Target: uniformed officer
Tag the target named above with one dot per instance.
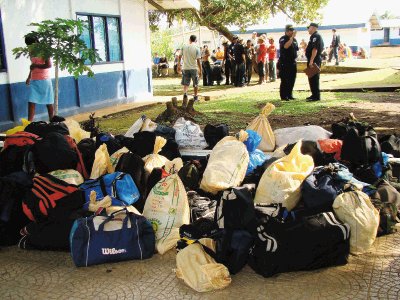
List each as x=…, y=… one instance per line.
x=313, y=54
x=287, y=67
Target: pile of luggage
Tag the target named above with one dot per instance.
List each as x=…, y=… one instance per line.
x=292, y=199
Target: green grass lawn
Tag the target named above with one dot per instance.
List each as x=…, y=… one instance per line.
x=235, y=110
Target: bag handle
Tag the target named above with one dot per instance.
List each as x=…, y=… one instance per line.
x=111, y=217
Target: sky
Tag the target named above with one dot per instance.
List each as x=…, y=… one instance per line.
x=344, y=12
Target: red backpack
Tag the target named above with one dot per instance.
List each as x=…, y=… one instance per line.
x=20, y=139
x=51, y=198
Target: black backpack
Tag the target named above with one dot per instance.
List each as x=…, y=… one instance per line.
x=133, y=165
x=87, y=147
x=235, y=214
x=190, y=175
x=53, y=153
x=12, y=191
x=341, y=129
x=307, y=243
x=213, y=134
x=391, y=144
x=141, y=144
x=360, y=149
x=42, y=128
x=12, y=159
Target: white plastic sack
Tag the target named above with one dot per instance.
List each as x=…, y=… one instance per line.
x=261, y=125
x=114, y=158
x=189, y=135
x=69, y=176
x=155, y=160
x=75, y=131
x=141, y=124
x=292, y=135
x=227, y=164
x=355, y=208
x=199, y=270
x=167, y=208
x=282, y=180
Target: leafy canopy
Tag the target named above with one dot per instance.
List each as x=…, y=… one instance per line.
x=219, y=14
x=60, y=39
x=162, y=43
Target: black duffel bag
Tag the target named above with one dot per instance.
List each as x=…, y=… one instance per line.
x=305, y=244
x=42, y=128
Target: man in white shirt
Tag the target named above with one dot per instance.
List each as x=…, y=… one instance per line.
x=191, y=69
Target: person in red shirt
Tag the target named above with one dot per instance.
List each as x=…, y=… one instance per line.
x=271, y=60
x=261, y=58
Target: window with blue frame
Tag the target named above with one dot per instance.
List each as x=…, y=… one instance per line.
x=104, y=34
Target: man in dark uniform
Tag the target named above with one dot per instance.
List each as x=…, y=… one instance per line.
x=240, y=58
x=313, y=54
x=287, y=67
x=226, y=62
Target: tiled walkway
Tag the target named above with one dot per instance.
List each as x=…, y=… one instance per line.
x=52, y=275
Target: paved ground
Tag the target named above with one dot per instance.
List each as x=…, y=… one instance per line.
x=52, y=275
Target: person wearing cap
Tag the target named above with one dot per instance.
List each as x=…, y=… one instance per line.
x=287, y=66
x=261, y=58
x=239, y=59
x=313, y=53
x=191, y=69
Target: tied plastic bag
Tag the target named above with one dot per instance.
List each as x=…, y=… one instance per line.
x=199, y=270
x=141, y=124
x=356, y=209
x=114, y=158
x=281, y=182
x=261, y=125
x=75, y=131
x=227, y=164
x=155, y=160
x=189, y=135
x=256, y=156
x=292, y=135
x=102, y=163
x=69, y=176
x=24, y=123
x=167, y=208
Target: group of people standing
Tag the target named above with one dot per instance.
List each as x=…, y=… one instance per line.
x=241, y=59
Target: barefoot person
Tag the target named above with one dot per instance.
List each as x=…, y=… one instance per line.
x=191, y=69
x=39, y=82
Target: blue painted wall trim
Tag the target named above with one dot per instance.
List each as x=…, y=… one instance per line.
x=378, y=42
x=327, y=27
x=76, y=95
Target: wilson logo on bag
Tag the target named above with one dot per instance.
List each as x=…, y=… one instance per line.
x=112, y=251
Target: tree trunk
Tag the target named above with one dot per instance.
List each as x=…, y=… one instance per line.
x=56, y=90
x=190, y=108
x=174, y=101
x=171, y=110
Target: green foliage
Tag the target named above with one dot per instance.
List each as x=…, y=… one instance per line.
x=162, y=43
x=218, y=14
x=60, y=40
x=387, y=16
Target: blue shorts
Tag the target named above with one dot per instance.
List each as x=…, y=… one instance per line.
x=187, y=75
x=41, y=91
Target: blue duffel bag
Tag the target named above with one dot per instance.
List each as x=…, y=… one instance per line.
x=120, y=186
x=103, y=239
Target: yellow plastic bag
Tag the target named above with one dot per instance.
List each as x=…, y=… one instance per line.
x=102, y=163
x=227, y=164
x=355, y=208
x=155, y=160
x=167, y=208
x=281, y=182
x=18, y=128
x=69, y=176
x=75, y=131
x=261, y=125
x=199, y=270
